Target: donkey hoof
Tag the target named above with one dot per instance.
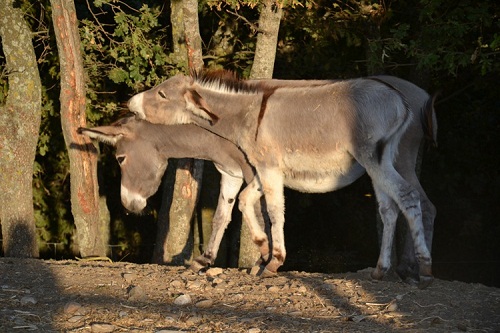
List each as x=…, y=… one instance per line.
x=267, y=273
x=425, y=281
x=377, y=273
x=199, y=264
x=262, y=271
x=256, y=270
x=196, y=267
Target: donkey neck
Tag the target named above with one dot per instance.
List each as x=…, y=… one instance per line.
x=238, y=112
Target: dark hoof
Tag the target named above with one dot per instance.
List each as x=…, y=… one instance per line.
x=425, y=281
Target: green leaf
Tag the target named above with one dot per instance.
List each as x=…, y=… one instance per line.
x=118, y=75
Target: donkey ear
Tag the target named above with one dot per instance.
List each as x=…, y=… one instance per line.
x=106, y=134
x=196, y=104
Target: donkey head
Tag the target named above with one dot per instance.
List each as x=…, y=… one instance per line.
x=178, y=100
x=163, y=104
x=141, y=165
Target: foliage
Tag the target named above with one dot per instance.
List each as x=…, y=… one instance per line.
x=127, y=44
x=125, y=49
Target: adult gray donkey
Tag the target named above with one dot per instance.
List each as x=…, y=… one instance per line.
x=321, y=136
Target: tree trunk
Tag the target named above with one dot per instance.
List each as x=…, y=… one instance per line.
x=262, y=68
x=174, y=241
x=192, y=34
x=174, y=244
x=267, y=40
x=19, y=125
x=81, y=151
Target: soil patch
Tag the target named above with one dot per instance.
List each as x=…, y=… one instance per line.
x=90, y=296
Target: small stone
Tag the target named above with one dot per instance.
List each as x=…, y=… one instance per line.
x=393, y=306
x=75, y=319
x=129, y=277
x=254, y=330
x=273, y=289
x=102, y=328
x=194, y=285
x=176, y=284
x=214, y=271
x=302, y=289
x=122, y=314
x=217, y=281
x=193, y=320
x=25, y=300
x=295, y=313
x=183, y=300
x=71, y=307
x=206, y=303
x=136, y=293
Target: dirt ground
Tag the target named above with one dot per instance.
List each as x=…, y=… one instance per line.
x=92, y=296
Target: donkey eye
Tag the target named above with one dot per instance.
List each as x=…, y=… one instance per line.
x=120, y=159
x=162, y=94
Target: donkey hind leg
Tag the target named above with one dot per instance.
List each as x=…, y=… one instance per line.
x=229, y=188
x=248, y=199
x=389, y=213
x=407, y=268
x=408, y=199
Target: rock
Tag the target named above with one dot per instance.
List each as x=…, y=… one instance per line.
x=102, y=328
x=194, y=285
x=71, y=307
x=214, y=271
x=176, y=284
x=136, y=293
x=75, y=319
x=206, y=303
x=254, y=330
x=25, y=300
x=183, y=300
x=273, y=289
x=129, y=277
x=393, y=306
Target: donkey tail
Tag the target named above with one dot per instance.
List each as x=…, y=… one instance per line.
x=429, y=121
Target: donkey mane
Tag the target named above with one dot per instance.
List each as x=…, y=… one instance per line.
x=224, y=81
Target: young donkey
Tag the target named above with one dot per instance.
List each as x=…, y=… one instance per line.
x=143, y=150
x=320, y=137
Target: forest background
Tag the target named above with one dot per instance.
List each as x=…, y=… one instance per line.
x=441, y=45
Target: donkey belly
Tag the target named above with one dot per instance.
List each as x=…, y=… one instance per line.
x=321, y=182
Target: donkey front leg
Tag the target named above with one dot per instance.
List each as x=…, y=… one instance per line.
x=248, y=199
x=229, y=188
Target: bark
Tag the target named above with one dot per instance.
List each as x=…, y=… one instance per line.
x=179, y=56
x=192, y=34
x=262, y=68
x=19, y=125
x=267, y=40
x=82, y=153
x=174, y=242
